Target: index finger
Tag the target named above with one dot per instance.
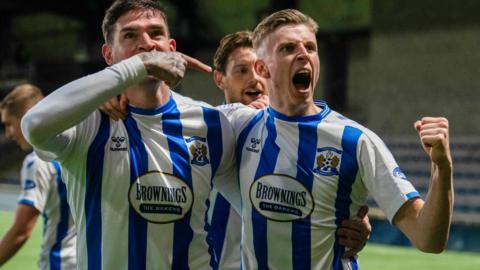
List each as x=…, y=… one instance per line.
x=196, y=64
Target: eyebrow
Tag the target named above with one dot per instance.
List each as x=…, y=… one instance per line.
x=135, y=28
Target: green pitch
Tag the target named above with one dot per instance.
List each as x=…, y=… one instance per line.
x=374, y=257
x=27, y=257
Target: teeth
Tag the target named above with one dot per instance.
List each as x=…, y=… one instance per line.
x=303, y=72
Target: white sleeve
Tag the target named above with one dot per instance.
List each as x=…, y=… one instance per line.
x=36, y=177
x=47, y=125
x=238, y=115
x=382, y=176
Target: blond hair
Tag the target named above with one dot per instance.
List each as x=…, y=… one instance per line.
x=21, y=99
x=279, y=19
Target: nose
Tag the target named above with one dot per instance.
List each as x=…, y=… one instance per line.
x=302, y=52
x=254, y=78
x=145, y=43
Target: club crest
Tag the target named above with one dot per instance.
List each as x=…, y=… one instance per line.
x=328, y=161
x=198, y=150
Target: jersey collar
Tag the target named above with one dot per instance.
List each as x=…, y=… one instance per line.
x=315, y=117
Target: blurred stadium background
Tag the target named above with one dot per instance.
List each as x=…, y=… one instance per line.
x=384, y=64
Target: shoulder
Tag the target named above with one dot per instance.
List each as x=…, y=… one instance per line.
x=351, y=128
x=181, y=100
x=32, y=163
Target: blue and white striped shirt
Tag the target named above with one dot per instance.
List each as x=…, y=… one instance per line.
x=139, y=188
x=300, y=177
x=43, y=188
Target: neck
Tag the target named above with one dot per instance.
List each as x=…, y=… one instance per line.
x=148, y=94
x=295, y=108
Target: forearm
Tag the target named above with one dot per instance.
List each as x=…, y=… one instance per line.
x=436, y=215
x=11, y=243
x=73, y=102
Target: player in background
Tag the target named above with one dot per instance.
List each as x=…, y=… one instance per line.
x=43, y=192
x=138, y=188
x=304, y=168
x=234, y=74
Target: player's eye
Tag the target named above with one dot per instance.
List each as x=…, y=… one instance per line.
x=156, y=34
x=129, y=35
x=287, y=48
x=311, y=48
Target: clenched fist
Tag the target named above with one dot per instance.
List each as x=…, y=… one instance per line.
x=434, y=135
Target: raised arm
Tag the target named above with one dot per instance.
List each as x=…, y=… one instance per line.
x=427, y=224
x=73, y=102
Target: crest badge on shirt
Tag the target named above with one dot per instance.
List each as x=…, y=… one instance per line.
x=328, y=161
x=198, y=150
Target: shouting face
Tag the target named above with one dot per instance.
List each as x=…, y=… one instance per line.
x=288, y=59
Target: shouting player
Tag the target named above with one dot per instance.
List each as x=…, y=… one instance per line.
x=304, y=168
x=234, y=74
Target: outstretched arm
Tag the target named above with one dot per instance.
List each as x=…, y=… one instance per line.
x=21, y=229
x=72, y=103
x=427, y=224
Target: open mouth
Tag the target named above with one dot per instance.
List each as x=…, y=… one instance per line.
x=253, y=92
x=301, y=80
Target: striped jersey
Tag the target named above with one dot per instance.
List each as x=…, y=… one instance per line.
x=225, y=232
x=43, y=188
x=139, y=188
x=300, y=177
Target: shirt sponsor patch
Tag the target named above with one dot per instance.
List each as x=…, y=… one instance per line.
x=397, y=172
x=160, y=197
x=281, y=198
x=29, y=184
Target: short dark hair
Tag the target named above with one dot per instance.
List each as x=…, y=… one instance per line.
x=241, y=39
x=120, y=7
x=21, y=99
x=279, y=19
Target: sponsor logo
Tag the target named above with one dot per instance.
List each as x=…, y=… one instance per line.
x=397, y=172
x=198, y=150
x=253, y=146
x=29, y=184
x=281, y=198
x=118, y=143
x=160, y=197
x=328, y=161
x=30, y=164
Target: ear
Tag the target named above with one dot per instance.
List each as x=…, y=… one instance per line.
x=218, y=79
x=172, y=45
x=261, y=69
x=107, y=53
